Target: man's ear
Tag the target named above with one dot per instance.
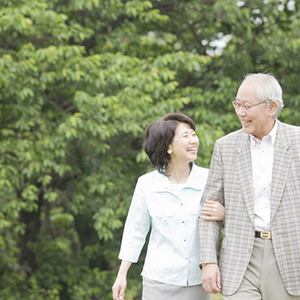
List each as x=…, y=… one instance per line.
x=273, y=108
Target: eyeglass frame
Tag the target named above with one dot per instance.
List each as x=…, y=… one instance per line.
x=247, y=107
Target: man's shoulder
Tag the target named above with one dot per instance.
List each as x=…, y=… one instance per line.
x=288, y=127
x=234, y=136
x=288, y=132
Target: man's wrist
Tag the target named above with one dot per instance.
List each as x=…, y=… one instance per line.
x=204, y=264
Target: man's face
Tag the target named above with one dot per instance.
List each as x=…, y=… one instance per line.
x=257, y=120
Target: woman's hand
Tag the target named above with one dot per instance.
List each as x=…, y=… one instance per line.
x=120, y=284
x=213, y=211
x=119, y=287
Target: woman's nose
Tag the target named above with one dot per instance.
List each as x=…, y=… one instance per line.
x=193, y=139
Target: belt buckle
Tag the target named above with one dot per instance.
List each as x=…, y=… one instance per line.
x=266, y=235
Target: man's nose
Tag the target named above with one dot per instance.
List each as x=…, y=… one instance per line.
x=241, y=111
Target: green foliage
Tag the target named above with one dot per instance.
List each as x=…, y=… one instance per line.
x=79, y=82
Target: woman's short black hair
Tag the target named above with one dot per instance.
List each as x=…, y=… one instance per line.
x=159, y=135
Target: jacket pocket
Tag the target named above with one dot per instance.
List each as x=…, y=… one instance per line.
x=195, y=211
x=163, y=216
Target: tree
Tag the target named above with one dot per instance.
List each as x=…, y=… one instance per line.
x=80, y=80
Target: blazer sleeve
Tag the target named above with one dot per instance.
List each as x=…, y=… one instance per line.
x=209, y=231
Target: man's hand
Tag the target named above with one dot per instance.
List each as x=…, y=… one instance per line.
x=211, y=278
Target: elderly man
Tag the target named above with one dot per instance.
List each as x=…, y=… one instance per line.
x=255, y=173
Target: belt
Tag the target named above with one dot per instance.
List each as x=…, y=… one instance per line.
x=263, y=234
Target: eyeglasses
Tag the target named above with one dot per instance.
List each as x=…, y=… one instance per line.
x=237, y=105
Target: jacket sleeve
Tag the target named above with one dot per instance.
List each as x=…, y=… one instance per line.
x=136, y=226
x=209, y=231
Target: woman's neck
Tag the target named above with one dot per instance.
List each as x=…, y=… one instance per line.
x=178, y=174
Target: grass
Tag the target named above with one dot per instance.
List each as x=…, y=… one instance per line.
x=216, y=297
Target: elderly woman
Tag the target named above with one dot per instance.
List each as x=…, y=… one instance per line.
x=167, y=200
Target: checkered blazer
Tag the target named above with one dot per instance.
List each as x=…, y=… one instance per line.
x=230, y=183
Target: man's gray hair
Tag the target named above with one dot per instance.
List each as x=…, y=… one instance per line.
x=268, y=89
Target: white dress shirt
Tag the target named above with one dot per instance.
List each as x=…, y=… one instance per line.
x=262, y=155
x=173, y=212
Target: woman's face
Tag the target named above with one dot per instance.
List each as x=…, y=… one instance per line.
x=185, y=144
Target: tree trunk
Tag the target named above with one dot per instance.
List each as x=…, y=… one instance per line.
x=26, y=258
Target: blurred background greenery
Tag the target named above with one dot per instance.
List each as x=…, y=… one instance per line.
x=79, y=82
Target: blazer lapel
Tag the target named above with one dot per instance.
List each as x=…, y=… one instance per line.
x=244, y=171
x=281, y=166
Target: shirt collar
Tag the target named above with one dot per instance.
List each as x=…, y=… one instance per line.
x=162, y=182
x=271, y=135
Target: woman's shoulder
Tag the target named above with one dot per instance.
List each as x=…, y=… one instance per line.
x=200, y=170
x=152, y=175
x=198, y=176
